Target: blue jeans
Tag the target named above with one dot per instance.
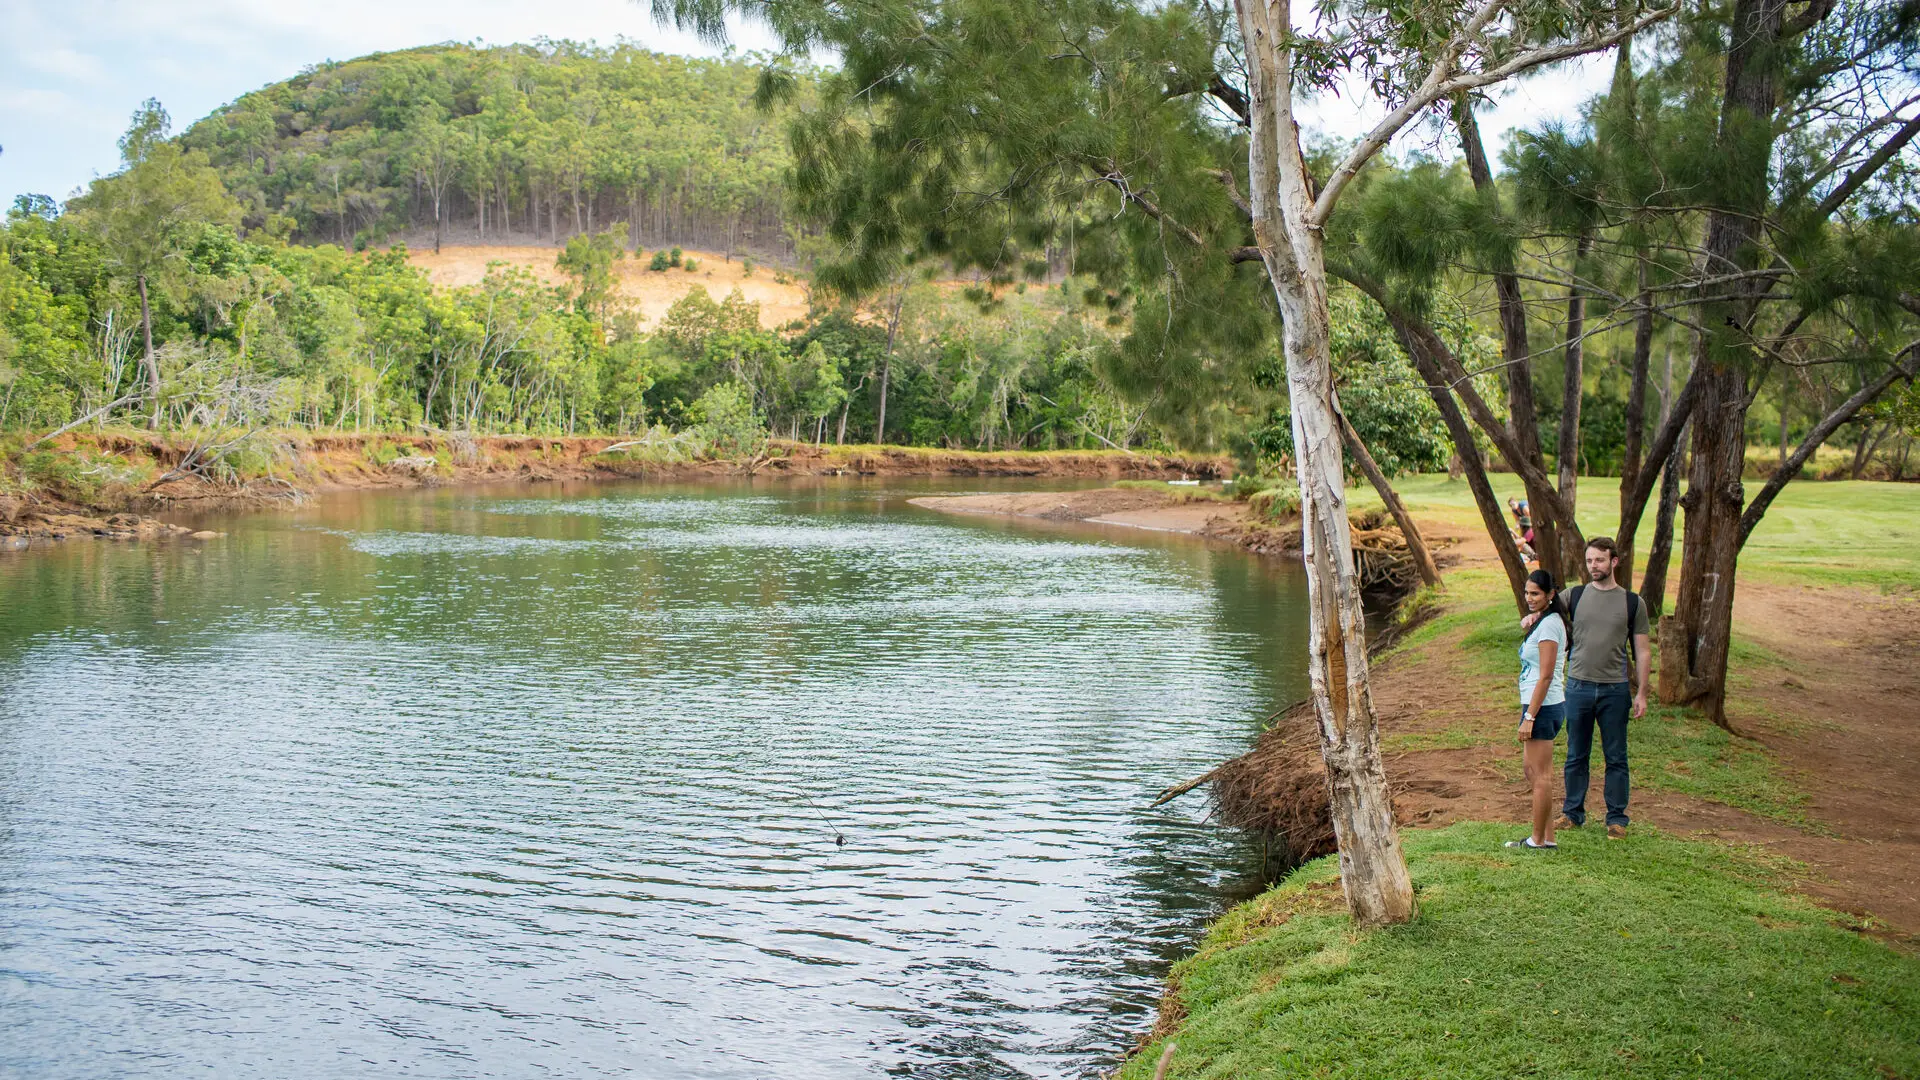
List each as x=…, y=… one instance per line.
x=1604, y=704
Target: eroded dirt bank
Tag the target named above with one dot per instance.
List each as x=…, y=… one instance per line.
x=136, y=495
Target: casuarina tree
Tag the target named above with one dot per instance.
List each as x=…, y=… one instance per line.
x=1005, y=78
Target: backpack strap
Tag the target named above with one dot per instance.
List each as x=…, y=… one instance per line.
x=1633, y=611
x=1573, y=604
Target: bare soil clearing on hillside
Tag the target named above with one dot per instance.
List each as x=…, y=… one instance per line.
x=651, y=292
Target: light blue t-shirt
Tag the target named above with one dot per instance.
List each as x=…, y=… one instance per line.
x=1550, y=628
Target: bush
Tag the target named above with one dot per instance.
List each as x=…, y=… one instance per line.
x=724, y=417
x=79, y=477
x=746, y=267
x=661, y=261
x=1247, y=485
x=674, y=258
x=690, y=265
x=1276, y=503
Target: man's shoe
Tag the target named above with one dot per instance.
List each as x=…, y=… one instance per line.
x=1616, y=832
x=1565, y=822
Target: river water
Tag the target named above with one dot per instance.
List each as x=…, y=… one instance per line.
x=741, y=781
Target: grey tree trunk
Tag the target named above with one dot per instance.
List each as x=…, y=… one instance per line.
x=1523, y=413
x=1373, y=870
x=152, y=362
x=1574, y=381
x=1637, y=413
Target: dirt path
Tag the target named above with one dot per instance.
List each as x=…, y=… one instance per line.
x=1840, y=710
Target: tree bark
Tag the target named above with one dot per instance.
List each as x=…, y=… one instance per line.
x=1695, y=669
x=1574, y=381
x=1523, y=413
x=151, y=361
x=1416, y=545
x=1653, y=587
x=1373, y=869
x=1636, y=415
x=1420, y=342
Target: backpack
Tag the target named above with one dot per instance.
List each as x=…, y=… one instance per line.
x=1633, y=612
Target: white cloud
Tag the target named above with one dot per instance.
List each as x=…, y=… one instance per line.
x=63, y=62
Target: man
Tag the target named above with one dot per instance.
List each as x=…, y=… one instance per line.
x=1607, y=662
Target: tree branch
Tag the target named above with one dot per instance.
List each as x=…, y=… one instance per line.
x=1790, y=468
x=1858, y=178
x=1438, y=85
x=1118, y=179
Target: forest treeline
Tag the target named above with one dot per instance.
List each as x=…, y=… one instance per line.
x=150, y=299
x=510, y=144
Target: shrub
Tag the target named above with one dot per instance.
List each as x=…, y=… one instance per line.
x=690, y=265
x=79, y=477
x=661, y=261
x=1276, y=503
x=726, y=420
x=675, y=257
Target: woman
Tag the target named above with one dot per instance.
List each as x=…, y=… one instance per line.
x=1543, y=692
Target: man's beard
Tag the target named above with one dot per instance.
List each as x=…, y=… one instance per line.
x=1598, y=575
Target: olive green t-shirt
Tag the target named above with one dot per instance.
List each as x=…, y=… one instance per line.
x=1599, y=649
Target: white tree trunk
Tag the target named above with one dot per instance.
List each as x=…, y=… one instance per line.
x=1373, y=870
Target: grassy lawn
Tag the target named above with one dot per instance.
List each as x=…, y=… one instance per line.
x=1648, y=957
x=1817, y=532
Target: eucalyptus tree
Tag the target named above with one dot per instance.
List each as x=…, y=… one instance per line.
x=142, y=212
x=983, y=126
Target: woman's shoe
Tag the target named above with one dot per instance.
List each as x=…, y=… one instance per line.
x=1531, y=846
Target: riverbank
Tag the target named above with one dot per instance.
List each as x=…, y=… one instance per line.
x=1387, y=576
x=1730, y=934
x=77, y=485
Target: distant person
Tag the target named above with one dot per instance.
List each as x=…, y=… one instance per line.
x=1523, y=527
x=1607, y=662
x=1543, y=694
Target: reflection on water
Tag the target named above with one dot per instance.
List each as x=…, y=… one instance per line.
x=456, y=784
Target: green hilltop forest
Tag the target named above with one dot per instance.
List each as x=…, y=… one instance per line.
x=511, y=144
x=233, y=278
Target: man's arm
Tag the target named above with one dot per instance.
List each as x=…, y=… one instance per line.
x=1642, y=665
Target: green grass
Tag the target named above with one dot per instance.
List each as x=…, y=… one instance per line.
x=1647, y=957
x=1860, y=533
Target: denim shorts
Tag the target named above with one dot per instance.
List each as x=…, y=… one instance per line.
x=1547, y=724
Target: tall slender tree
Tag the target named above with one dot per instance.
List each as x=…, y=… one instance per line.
x=142, y=215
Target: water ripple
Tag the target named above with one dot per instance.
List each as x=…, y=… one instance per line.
x=439, y=785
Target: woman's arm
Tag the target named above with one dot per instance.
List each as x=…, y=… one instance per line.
x=1549, y=653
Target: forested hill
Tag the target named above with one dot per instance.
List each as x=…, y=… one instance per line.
x=514, y=144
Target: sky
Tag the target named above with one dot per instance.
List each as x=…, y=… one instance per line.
x=72, y=71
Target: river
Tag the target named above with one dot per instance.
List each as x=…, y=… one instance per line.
x=733, y=781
